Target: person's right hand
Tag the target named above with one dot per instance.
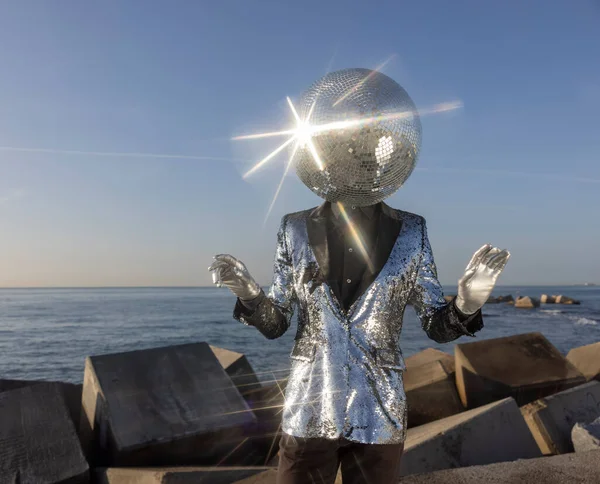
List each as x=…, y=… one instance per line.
x=232, y=273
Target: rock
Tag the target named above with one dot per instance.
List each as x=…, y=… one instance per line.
x=267, y=404
x=266, y=477
x=174, y=475
x=270, y=477
x=500, y=299
x=586, y=436
x=166, y=406
x=449, y=298
x=524, y=366
x=580, y=468
x=70, y=391
x=238, y=368
x=551, y=419
x=38, y=442
x=587, y=360
x=427, y=356
x=566, y=300
x=274, y=462
x=430, y=393
x=492, y=433
x=526, y=302
x=545, y=299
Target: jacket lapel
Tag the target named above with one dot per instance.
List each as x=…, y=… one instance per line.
x=388, y=229
x=389, y=226
x=316, y=227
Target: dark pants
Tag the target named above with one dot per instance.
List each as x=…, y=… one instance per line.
x=316, y=461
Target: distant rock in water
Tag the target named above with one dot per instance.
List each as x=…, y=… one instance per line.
x=527, y=302
x=500, y=299
x=449, y=298
x=566, y=300
x=545, y=299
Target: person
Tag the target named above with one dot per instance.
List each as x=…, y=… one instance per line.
x=350, y=271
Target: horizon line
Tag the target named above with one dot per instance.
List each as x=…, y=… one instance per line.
x=212, y=286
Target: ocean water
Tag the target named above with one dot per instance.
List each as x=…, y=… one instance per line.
x=47, y=333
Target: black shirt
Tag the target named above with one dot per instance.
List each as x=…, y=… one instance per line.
x=351, y=236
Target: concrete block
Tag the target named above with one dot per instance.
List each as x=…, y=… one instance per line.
x=274, y=462
x=565, y=300
x=427, y=356
x=266, y=477
x=545, y=299
x=551, y=419
x=270, y=477
x=266, y=403
x=430, y=393
x=523, y=366
x=581, y=468
x=500, y=299
x=587, y=360
x=176, y=475
x=38, y=442
x=162, y=407
x=527, y=302
x=492, y=433
x=586, y=436
x=238, y=368
x=70, y=391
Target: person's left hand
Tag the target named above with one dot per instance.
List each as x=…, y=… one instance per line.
x=475, y=287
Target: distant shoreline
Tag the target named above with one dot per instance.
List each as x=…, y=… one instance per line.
x=507, y=286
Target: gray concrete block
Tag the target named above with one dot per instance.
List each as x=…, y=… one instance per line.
x=270, y=477
x=500, y=299
x=551, y=419
x=430, y=393
x=177, y=475
x=427, y=356
x=492, y=433
x=581, y=468
x=38, y=442
x=266, y=477
x=560, y=299
x=162, y=407
x=238, y=368
x=523, y=366
x=527, y=302
x=587, y=360
x=70, y=391
x=586, y=436
x=267, y=404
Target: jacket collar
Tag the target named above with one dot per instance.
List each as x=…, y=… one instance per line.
x=316, y=225
x=322, y=210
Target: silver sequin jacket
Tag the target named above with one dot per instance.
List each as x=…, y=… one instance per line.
x=346, y=377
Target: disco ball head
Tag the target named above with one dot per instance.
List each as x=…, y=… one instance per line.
x=373, y=142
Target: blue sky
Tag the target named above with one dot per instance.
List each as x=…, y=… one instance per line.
x=518, y=166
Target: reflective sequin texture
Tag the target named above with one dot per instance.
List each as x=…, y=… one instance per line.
x=362, y=163
x=347, y=368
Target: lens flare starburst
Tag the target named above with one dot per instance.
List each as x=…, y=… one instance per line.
x=301, y=135
x=304, y=132
x=355, y=137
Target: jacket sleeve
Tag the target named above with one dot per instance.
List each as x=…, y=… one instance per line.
x=441, y=320
x=271, y=313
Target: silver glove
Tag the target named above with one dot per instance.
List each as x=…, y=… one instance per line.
x=475, y=287
x=232, y=273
